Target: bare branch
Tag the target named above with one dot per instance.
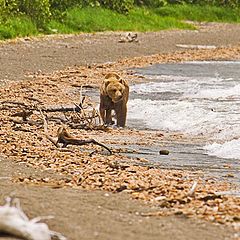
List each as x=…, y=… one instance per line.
x=65, y=138
x=23, y=114
x=45, y=126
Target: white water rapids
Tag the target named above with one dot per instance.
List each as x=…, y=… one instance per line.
x=193, y=98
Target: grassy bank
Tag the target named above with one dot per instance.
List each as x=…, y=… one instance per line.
x=98, y=19
x=200, y=13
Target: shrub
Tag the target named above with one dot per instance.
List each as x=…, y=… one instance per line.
x=157, y=3
x=120, y=6
x=58, y=7
x=151, y=3
x=37, y=10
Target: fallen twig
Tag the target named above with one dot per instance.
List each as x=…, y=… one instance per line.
x=45, y=126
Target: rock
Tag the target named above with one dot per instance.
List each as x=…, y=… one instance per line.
x=163, y=152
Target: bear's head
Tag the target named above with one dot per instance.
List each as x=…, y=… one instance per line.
x=114, y=87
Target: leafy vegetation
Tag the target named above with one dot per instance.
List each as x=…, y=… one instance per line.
x=200, y=13
x=31, y=17
x=99, y=19
x=17, y=27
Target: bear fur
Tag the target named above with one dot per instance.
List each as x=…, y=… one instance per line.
x=114, y=93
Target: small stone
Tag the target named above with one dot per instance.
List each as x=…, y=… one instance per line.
x=163, y=152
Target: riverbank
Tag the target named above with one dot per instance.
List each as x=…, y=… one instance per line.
x=166, y=191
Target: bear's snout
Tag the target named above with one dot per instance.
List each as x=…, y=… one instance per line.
x=117, y=96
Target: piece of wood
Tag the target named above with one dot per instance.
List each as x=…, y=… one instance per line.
x=189, y=46
x=45, y=126
x=193, y=188
x=65, y=138
x=23, y=114
x=14, y=222
x=62, y=108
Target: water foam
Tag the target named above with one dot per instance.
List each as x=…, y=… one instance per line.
x=171, y=115
x=202, y=105
x=229, y=149
x=223, y=93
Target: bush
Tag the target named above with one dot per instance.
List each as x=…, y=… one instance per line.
x=37, y=10
x=58, y=8
x=120, y=6
x=151, y=3
x=220, y=3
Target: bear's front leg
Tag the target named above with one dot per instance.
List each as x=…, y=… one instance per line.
x=121, y=112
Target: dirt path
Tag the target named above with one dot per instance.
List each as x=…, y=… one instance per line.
x=98, y=215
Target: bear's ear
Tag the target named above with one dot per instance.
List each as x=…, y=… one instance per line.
x=123, y=82
x=112, y=75
x=103, y=88
x=106, y=82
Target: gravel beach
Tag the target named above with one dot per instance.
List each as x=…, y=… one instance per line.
x=105, y=197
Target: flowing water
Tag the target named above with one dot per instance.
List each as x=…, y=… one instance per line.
x=196, y=99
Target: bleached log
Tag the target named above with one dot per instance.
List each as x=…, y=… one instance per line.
x=189, y=46
x=230, y=193
x=14, y=221
x=62, y=108
x=193, y=188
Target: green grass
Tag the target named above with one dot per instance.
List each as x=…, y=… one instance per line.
x=17, y=27
x=200, y=13
x=139, y=19
x=99, y=19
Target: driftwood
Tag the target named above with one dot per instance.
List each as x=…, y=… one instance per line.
x=80, y=117
x=13, y=103
x=193, y=188
x=66, y=139
x=196, y=46
x=230, y=193
x=9, y=105
x=23, y=114
x=128, y=37
x=13, y=221
x=104, y=128
x=29, y=109
x=62, y=108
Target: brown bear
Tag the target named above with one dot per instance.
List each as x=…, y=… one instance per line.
x=114, y=93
